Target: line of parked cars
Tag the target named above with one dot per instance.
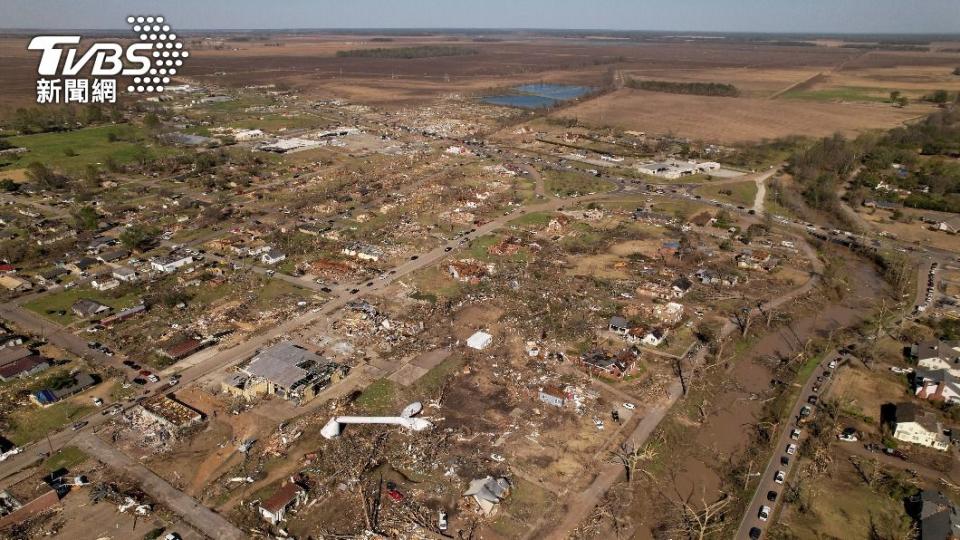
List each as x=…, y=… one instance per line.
x=796, y=432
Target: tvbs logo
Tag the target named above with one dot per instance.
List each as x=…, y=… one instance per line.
x=149, y=61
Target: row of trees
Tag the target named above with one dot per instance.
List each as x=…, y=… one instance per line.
x=28, y=120
x=693, y=88
x=422, y=51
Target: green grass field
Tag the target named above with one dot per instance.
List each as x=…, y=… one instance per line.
x=538, y=219
x=32, y=423
x=379, y=397
x=568, y=183
x=841, y=93
x=65, y=458
x=63, y=300
x=71, y=151
x=740, y=193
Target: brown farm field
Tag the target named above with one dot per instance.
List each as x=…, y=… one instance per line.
x=733, y=120
x=784, y=89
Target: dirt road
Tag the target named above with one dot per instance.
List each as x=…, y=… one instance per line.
x=200, y=517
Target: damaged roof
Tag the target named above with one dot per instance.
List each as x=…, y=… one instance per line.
x=284, y=364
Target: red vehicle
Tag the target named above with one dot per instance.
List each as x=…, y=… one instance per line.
x=145, y=372
x=395, y=495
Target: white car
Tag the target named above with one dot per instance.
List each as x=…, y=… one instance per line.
x=848, y=435
x=779, y=476
x=629, y=405
x=791, y=449
x=153, y=378
x=832, y=364
x=98, y=402
x=497, y=457
x=795, y=434
x=764, y=513
x=597, y=422
x=442, y=521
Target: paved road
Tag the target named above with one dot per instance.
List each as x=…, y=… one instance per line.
x=200, y=517
x=766, y=480
x=767, y=483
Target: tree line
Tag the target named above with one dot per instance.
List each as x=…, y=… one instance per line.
x=421, y=51
x=692, y=88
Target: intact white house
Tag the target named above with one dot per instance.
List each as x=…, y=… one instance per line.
x=915, y=426
x=171, y=262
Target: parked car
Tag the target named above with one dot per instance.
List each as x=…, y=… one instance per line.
x=779, y=476
x=153, y=378
x=848, y=435
x=764, y=513
x=79, y=425
x=832, y=364
x=795, y=434
x=97, y=401
x=791, y=449
x=812, y=399
x=755, y=533
x=784, y=460
x=771, y=496
x=442, y=521
x=629, y=405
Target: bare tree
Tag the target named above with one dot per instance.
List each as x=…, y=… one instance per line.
x=743, y=319
x=631, y=458
x=698, y=520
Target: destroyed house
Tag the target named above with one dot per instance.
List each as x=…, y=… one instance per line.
x=180, y=348
x=649, y=216
x=599, y=362
x=363, y=252
x=702, y=219
x=467, y=270
x=123, y=315
x=618, y=325
x=170, y=413
x=488, y=492
x=288, y=371
x=552, y=395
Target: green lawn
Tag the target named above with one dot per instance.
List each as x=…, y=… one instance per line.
x=538, y=219
x=740, y=193
x=569, y=183
x=840, y=93
x=32, y=423
x=84, y=146
x=63, y=300
x=379, y=397
x=65, y=458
